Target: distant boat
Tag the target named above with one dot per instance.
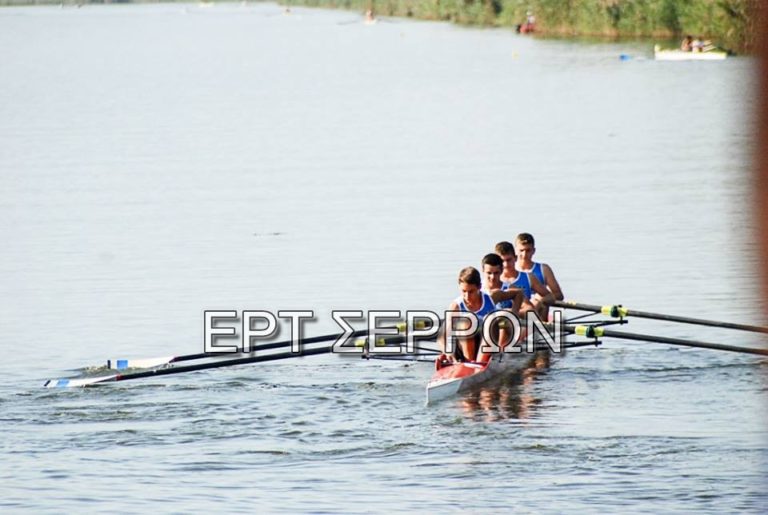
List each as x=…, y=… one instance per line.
x=680, y=55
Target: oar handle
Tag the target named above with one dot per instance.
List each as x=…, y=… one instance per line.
x=598, y=332
x=619, y=311
x=698, y=321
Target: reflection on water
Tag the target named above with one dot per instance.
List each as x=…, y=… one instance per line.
x=511, y=396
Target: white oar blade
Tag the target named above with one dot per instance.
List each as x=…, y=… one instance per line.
x=122, y=364
x=74, y=383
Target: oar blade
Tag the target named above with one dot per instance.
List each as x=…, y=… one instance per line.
x=78, y=382
x=122, y=364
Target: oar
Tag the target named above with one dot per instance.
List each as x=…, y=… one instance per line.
x=86, y=381
x=393, y=340
x=618, y=311
x=400, y=357
x=67, y=383
x=122, y=364
x=598, y=332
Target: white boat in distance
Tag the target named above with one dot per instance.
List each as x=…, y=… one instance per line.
x=679, y=55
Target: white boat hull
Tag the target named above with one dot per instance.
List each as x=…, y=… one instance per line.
x=679, y=55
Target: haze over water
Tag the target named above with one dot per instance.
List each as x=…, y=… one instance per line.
x=161, y=160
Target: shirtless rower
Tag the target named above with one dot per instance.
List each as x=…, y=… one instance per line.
x=472, y=299
x=525, y=248
x=529, y=283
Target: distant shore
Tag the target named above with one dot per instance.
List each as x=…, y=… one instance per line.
x=729, y=24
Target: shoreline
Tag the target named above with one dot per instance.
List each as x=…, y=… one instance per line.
x=731, y=24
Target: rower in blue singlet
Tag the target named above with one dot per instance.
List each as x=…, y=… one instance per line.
x=473, y=300
x=527, y=283
x=525, y=249
x=503, y=297
x=486, y=309
x=538, y=271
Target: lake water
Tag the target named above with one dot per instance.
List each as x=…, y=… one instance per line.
x=162, y=160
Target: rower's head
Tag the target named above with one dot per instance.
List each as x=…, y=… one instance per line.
x=506, y=251
x=469, y=283
x=492, y=268
x=525, y=246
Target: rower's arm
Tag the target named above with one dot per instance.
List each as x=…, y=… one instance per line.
x=502, y=295
x=546, y=295
x=441, y=333
x=552, y=283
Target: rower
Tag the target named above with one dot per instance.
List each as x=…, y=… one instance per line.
x=529, y=283
x=697, y=45
x=503, y=295
x=474, y=300
x=525, y=248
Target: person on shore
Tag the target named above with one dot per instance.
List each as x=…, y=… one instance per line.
x=525, y=248
x=525, y=281
x=530, y=23
x=529, y=26
x=687, y=44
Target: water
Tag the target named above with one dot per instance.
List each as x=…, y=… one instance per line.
x=161, y=160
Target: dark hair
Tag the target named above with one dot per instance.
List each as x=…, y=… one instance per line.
x=492, y=260
x=470, y=275
x=504, y=248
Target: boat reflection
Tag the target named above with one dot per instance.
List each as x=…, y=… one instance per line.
x=509, y=398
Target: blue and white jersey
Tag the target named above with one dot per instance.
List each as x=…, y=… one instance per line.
x=523, y=282
x=486, y=309
x=505, y=304
x=538, y=271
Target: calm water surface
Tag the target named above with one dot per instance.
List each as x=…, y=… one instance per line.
x=157, y=161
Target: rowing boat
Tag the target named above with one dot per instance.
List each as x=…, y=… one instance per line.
x=455, y=378
x=449, y=379
x=679, y=55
